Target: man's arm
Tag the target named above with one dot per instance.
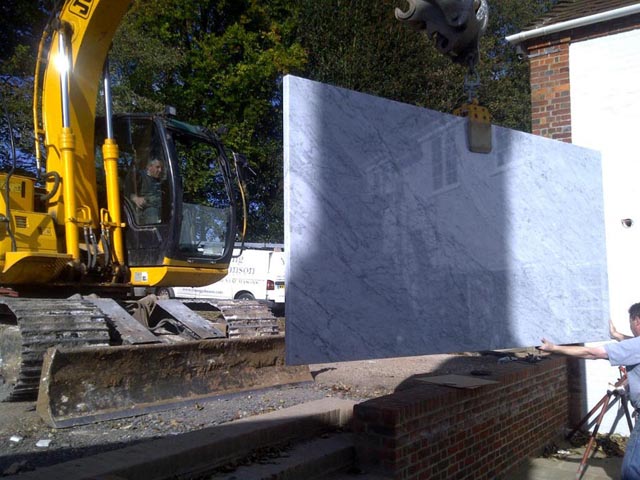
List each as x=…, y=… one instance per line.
x=132, y=187
x=591, y=353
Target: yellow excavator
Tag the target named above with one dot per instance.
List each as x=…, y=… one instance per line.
x=108, y=211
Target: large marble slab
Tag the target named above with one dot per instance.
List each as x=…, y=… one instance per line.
x=400, y=241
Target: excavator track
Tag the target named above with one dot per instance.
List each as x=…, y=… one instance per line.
x=243, y=318
x=87, y=359
x=29, y=327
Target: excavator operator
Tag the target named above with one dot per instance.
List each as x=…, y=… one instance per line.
x=144, y=191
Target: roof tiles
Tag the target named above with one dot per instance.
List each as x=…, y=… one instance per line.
x=566, y=10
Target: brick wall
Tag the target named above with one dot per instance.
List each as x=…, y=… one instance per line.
x=436, y=432
x=550, y=90
x=549, y=70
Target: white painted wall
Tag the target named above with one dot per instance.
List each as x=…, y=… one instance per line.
x=605, y=112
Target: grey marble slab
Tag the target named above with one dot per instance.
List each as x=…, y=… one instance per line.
x=401, y=242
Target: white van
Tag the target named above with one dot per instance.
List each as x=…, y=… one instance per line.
x=256, y=274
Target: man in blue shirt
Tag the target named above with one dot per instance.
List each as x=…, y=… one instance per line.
x=625, y=352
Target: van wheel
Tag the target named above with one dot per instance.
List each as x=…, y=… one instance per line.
x=164, y=292
x=245, y=296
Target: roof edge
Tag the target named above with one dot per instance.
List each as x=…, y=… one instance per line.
x=517, y=38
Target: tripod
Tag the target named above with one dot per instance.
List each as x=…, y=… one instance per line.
x=618, y=392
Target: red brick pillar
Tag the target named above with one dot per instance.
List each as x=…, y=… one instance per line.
x=550, y=89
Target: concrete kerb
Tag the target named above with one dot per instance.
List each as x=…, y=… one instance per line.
x=195, y=452
x=320, y=458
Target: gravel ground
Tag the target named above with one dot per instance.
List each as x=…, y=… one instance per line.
x=27, y=443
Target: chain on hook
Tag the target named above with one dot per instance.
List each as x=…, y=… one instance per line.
x=471, y=84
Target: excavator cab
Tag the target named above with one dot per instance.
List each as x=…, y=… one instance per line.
x=176, y=192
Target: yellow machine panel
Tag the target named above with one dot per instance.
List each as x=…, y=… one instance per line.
x=33, y=232
x=26, y=268
x=28, y=247
x=175, y=276
x=20, y=191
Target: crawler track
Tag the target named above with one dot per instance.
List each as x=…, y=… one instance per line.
x=244, y=318
x=28, y=327
x=98, y=366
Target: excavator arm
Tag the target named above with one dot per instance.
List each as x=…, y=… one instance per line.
x=78, y=39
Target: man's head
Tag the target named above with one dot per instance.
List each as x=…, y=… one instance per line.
x=154, y=168
x=634, y=319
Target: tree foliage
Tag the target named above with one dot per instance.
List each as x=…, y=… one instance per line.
x=358, y=44
x=20, y=23
x=20, y=27
x=219, y=63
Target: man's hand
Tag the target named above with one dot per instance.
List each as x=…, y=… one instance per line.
x=547, y=346
x=615, y=334
x=140, y=202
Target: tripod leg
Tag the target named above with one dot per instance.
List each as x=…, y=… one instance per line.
x=585, y=419
x=625, y=405
x=592, y=438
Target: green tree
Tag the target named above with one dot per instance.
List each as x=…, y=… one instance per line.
x=21, y=23
x=20, y=26
x=222, y=64
x=358, y=44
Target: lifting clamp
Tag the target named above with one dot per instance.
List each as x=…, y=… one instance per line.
x=479, y=132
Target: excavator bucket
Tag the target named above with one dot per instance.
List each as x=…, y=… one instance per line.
x=84, y=385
